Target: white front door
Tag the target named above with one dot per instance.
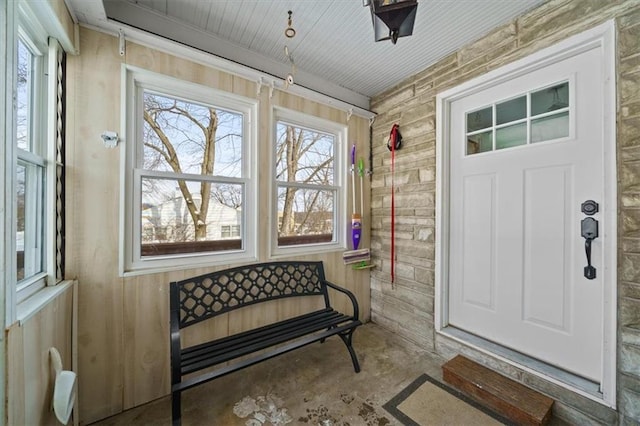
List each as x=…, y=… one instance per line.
x=524, y=155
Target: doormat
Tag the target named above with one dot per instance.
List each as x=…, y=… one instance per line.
x=428, y=402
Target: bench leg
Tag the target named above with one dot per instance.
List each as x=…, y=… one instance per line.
x=175, y=408
x=346, y=338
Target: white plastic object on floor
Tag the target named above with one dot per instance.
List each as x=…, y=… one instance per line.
x=64, y=389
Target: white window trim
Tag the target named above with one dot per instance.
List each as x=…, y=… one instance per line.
x=340, y=131
x=31, y=22
x=19, y=20
x=35, y=36
x=7, y=178
x=7, y=239
x=133, y=79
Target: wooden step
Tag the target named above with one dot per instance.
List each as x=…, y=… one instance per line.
x=510, y=399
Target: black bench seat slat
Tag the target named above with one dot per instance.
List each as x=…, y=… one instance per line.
x=233, y=342
x=208, y=296
x=187, y=352
x=223, y=371
x=277, y=334
x=193, y=352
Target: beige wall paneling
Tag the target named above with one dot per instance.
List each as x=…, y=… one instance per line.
x=29, y=369
x=408, y=309
x=124, y=322
x=93, y=182
x=146, y=337
x=15, y=375
x=265, y=155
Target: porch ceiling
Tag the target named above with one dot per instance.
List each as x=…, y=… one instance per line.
x=334, y=49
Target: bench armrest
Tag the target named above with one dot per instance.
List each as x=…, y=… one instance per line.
x=354, y=301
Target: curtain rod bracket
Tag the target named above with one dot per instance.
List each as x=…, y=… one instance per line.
x=260, y=83
x=121, y=42
x=271, y=88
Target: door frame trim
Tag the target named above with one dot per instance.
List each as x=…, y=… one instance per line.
x=600, y=37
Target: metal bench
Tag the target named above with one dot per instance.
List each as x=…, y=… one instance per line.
x=204, y=297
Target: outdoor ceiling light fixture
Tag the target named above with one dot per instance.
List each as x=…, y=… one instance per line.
x=392, y=18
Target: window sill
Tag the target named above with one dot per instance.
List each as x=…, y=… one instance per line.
x=35, y=303
x=305, y=249
x=172, y=264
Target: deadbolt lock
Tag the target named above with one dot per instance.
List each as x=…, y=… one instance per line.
x=589, y=207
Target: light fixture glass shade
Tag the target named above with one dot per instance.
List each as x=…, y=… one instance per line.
x=393, y=19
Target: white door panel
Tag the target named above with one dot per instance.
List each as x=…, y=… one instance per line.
x=516, y=256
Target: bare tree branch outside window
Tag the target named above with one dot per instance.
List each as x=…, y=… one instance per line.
x=186, y=138
x=304, y=171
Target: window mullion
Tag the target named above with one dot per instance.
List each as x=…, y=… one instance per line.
x=528, y=118
x=31, y=158
x=191, y=177
x=307, y=186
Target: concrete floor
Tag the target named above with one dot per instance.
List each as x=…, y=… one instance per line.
x=316, y=385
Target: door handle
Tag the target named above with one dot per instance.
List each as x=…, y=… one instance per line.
x=589, y=228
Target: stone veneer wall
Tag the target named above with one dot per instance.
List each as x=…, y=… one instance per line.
x=408, y=309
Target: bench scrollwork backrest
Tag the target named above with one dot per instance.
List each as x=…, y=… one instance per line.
x=219, y=292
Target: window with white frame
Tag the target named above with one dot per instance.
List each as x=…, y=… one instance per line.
x=540, y=115
x=39, y=93
x=308, y=177
x=230, y=231
x=188, y=174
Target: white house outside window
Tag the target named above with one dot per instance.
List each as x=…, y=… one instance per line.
x=308, y=176
x=188, y=174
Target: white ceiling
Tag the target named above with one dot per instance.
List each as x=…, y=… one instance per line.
x=334, y=50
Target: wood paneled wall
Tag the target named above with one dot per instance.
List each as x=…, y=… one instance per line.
x=30, y=377
x=123, y=326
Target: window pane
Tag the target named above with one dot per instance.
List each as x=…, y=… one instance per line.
x=551, y=127
x=550, y=99
x=303, y=155
x=20, y=183
x=186, y=137
x=515, y=109
x=29, y=232
x=481, y=142
x=481, y=119
x=305, y=216
x=511, y=136
x=174, y=218
x=23, y=97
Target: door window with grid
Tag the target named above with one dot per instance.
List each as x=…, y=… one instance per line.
x=537, y=116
